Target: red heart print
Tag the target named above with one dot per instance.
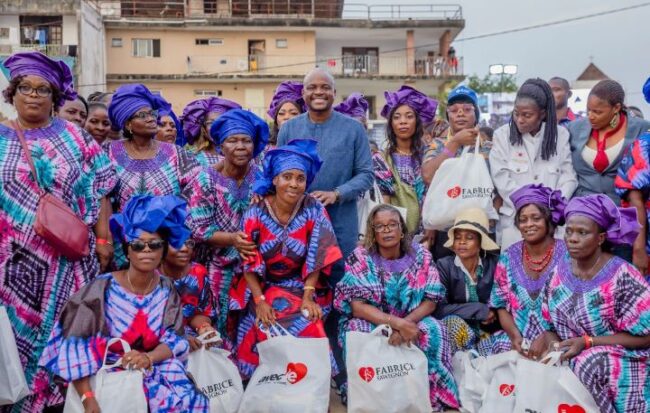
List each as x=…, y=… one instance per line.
x=367, y=373
x=454, y=192
x=565, y=408
x=295, y=372
x=506, y=389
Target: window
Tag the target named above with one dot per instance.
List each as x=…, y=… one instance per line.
x=116, y=42
x=146, y=47
x=4, y=32
x=207, y=92
x=208, y=42
x=281, y=43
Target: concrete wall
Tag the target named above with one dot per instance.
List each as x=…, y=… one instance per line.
x=11, y=21
x=232, y=56
x=70, y=29
x=39, y=7
x=91, y=74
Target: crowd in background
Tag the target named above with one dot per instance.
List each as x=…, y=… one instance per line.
x=214, y=222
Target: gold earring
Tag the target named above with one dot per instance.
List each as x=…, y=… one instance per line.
x=614, y=122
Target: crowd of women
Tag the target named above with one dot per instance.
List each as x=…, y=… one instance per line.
x=211, y=223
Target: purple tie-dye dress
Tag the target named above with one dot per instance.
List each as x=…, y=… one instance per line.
x=616, y=300
x=398, y=287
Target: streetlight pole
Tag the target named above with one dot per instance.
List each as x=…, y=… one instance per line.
x=502, y=70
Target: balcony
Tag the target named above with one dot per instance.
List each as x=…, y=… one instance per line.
x=52, y=50
x=182, y=10
x=341, y=66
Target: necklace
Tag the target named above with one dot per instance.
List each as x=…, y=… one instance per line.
x=582, y=275
x=128, y=279
x=401, y=152
x=49, y=120
x=538, y=265
x=143, y=154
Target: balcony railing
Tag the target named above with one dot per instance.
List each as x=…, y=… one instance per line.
x=349, y=65
x=52, y=50
x=332, y=9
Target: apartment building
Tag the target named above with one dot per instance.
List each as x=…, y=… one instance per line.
x=68, y=30
x=241, y=49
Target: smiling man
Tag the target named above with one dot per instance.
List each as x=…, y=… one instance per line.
x=346, y=172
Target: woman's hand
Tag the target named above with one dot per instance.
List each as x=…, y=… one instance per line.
x=90, y=404
x=540, y=345
x=195, y=344
x=136, y=360
x=575, y=347
x=466, y=137
x=265, y=314
x=409, y=331
x=517, y=343
x=313, y=310
x=395, y=339
x=104, y=255
x=241, y=243
x=491, y=318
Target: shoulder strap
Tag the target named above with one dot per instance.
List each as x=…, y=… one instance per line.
x=23, y=143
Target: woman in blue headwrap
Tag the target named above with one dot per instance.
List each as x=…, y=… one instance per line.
x=197, y=118
x=35, y=279
x=218, y=197
x=137, y=305
x=295, y=247
x=145, y=166
x=169, y=127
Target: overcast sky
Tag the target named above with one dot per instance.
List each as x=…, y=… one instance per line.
x=619, y=43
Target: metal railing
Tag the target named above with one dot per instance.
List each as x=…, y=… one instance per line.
x=349, y=65
x=52, y=50
x=333, y=9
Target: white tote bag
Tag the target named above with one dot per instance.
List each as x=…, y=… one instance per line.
x=547, y=386
x=115, y=391
x=216, y=376
x=385, y=378
x=366, y=204
x=13, y=385
x=458, y=184
x=293, y=375
x=471, y=385
x=499, y=372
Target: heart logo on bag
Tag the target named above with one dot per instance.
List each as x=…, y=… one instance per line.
x=506, y=389
x=367, y=373
x=565, y=408
x=454, y=192
x=295, y=372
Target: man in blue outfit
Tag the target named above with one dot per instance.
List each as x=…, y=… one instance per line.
x=346, y=172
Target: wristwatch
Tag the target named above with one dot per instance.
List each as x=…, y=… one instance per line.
x=257, y=300
x=338, y=194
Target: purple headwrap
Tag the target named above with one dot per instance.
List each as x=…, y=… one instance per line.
x=128, y=99
x=539, y=194
x=416, y=100
x=238, y=121
x=196, y=111
x=620, y=224
x=298, y=154
x=286, y=92
x=56, y=72
x=355, y=106
x=151, y=214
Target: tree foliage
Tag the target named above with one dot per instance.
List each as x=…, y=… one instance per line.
x=492, y=84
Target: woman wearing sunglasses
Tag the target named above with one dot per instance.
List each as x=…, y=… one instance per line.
x=193, y=286
x=145, y=166
x=137, y=305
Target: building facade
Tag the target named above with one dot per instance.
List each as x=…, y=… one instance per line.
x=241, y=49
x=68, y=30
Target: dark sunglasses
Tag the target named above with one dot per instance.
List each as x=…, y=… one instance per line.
x=139, y=245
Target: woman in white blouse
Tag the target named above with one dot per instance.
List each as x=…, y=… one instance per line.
x=530, y=149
